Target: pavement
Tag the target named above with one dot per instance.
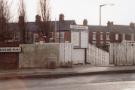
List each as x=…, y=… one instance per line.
x=76, y=70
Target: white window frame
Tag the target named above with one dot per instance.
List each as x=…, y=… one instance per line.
x=94, y=36
x=116, y=36
x=94, y=42
x=107, y=35
x=101, y=35
x=108, y=42
x=101, y=42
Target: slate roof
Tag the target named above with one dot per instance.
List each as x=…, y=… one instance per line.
x=65, y=26
x=114, y=28
x=95, y=28
x=33, y=27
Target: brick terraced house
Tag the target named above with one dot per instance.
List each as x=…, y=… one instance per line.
x=102, y=36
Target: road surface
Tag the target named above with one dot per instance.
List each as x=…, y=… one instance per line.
x=92, y=82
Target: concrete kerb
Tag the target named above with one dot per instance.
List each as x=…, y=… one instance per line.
x=60, y=74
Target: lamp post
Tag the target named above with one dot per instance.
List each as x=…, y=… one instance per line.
x=100, y=10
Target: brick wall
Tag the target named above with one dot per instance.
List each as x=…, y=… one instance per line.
x=9, y=60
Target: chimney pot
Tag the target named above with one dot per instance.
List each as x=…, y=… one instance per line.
x=21, y=19
x=109, y=24
x=61, y=17
x=38, y=18
x=132, y=25
x=85, y=22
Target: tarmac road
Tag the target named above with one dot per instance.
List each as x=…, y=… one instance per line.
x=93, y=82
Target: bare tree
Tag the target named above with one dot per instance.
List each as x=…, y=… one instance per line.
x=4, y=20
x=46, y=26
x=22, y=20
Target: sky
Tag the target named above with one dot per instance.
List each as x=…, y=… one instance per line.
x=122, y=12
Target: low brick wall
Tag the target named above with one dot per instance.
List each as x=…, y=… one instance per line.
x=36, y=55
x=9, y=60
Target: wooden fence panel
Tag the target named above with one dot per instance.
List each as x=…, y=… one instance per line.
x=134, y=54
x=122, y=54
x=62, y=54
x=65, y=53
x=68, y=52
x=97, y=57
x=78, y=56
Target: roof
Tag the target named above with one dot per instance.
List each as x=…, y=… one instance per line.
x=97, y=28
x=33, y=27
x=114, y=28
x=63, y=25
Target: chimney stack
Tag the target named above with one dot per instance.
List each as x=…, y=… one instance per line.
x=38, y=18
x=61, y=17
x=85, y=22
x=21, y=19
x=132, y=25
x=109, y=24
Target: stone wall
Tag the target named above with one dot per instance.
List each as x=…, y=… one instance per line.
x=36, y=55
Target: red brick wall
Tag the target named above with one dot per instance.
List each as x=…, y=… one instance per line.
x=67, y=36
x=9, y=60
x=111, y=35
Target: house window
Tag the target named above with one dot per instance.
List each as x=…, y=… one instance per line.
x=94, y=35
x=107, y=36
x=101, y=42
x=16, y=36
x=94, y=42
x=61, y=37
x=116, y=36
x=35, y=37
x=128, y=37
x=61, y=34
x=107, y=42
x=101, y=35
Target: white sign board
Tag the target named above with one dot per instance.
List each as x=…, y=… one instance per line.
x=84, y=39
x=75, y=38
x=10, y=49
x=79, y=36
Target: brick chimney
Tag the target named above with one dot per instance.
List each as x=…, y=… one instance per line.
x=109, y=24
x=132, y=25
x=21, y=19
x=61, y=17
x=85, y=22
x=38, y=18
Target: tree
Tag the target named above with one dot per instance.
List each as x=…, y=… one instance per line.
x=22, y=21
x=46, y=26
x=4, y=20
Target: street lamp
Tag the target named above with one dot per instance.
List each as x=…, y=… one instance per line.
x=100, y=6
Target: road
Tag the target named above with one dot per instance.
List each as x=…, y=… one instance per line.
x=92, y=82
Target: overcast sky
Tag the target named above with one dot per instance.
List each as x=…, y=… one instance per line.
x=123, y=11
